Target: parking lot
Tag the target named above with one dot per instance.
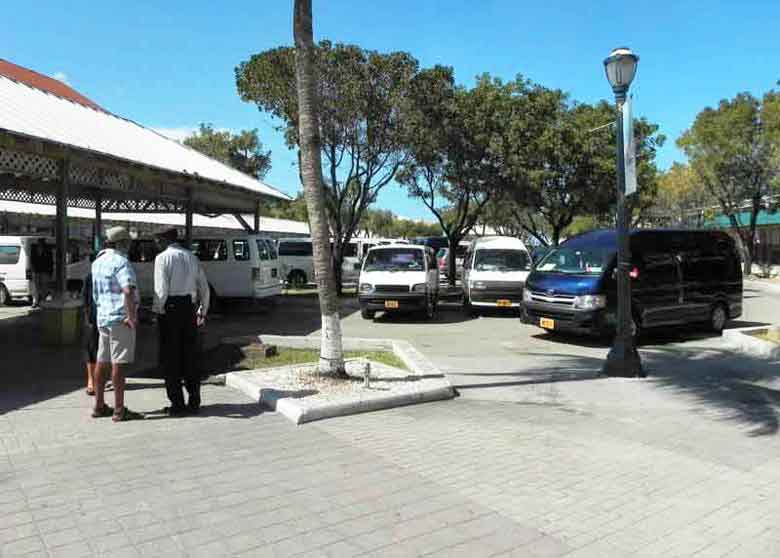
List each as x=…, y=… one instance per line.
x=539, y=456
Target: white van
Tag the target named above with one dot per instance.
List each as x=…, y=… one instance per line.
x=296, y=261
x=399, y=278
x=16, y=265
x=236, y=266
x=494, y=273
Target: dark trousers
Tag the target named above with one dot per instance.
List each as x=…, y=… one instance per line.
x=178, y=345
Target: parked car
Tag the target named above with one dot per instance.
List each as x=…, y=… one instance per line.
x=677, y=277
x=494, y=273
x=399, y=278
x=296, y=261
x=16, y=265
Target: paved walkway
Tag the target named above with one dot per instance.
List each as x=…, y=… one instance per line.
x=528, y=462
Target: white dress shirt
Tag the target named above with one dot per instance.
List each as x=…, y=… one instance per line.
x=177, y=272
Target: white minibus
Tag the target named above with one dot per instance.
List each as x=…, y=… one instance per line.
x=16, y=266
x=236, y=266
x=494, y=273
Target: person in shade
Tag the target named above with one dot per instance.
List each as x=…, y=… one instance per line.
x=42, y=269
x=115, y=294
x=89, y=333
x=181, y=301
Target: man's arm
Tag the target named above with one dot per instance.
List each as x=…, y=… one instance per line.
x=204, y=293
x=160, y=285
x=130, y=306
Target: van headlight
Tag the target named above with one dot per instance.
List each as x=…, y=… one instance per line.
x=419, y=288
x=527, y=295
x=479, y=285
x=590, y=302
x=366, y=288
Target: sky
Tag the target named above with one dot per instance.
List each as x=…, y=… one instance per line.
x=170, y=65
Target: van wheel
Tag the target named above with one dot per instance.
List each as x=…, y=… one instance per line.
x=718, y=318
x=5, y=297
x=296, y=279
x=367, y=314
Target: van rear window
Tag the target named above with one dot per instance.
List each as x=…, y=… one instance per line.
x=9, y=255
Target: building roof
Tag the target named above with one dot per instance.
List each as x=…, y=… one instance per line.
x=44, y=83
x=34, y=106
x=765, y=218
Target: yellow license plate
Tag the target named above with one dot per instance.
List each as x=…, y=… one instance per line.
x=547, y=323
x=503, y=303
x=391, y=304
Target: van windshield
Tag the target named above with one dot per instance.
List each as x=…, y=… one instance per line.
x=495, y=259
x=581, y=261
x=395, y=259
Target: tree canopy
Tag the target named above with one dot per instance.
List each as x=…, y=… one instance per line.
x=242, y=151
x=361, y=100
x=734, y=150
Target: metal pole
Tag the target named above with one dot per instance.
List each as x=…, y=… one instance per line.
x=61, y=229
x=188, y=220
x=623, y=358
x=257, y=218
x=97, y=233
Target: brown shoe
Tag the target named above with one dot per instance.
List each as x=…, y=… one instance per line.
x=124, y=414
x=106, y=411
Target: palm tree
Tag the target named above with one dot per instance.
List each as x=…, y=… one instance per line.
x=331, y=352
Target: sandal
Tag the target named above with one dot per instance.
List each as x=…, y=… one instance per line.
x=106, y=411
x=90, y=391
x=126, y=414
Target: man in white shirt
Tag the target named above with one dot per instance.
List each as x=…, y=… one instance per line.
x=181, y=301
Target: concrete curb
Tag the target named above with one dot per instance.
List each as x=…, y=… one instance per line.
x=435, y=386
x=750, y=345
x=766, y=285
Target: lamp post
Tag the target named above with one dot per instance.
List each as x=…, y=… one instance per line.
x=623, y=358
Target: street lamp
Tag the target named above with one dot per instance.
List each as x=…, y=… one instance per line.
x=623, y=358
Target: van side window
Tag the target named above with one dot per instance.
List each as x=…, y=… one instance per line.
x=295, y=249
x=262, y=250
x=658, y=269
x=9, y=255
x=271, y=248
x=241, y=251
x=210, y=250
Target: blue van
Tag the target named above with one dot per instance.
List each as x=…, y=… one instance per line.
x=677, y=277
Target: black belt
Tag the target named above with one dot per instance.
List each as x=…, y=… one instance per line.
x=178, y=300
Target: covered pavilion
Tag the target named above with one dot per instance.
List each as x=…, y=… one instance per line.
x=58, y=147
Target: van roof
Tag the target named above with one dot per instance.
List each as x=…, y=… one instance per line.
x=607, y=238
x=499, y=241
x=397, y=245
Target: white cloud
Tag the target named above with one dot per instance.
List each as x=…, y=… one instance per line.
x=177, y=134
x=61, y=76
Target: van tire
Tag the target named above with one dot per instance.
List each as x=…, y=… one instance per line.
x=296, y=279
x=718, y=318
x=5, y=296
x=367, y=314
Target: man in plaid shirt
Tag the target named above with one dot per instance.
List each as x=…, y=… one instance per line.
x=115, y=294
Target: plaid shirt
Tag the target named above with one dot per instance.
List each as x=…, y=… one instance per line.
x=112, y=272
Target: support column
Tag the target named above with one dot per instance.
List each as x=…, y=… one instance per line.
x=61, y=228
x=257, y=218
x=188, y=220
x=97, y=231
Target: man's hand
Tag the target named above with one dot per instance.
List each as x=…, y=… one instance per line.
x=200, y=320
x=132, y=323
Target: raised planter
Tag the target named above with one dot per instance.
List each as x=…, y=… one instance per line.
x=304, y=401
x=747, y=340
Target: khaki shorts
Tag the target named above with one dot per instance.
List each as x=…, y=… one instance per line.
x=116, y=344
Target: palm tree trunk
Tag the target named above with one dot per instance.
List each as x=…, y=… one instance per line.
x=331, y=352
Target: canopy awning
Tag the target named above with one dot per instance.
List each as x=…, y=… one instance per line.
x=46, y=138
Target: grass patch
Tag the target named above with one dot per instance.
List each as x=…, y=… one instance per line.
x=287, y=356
